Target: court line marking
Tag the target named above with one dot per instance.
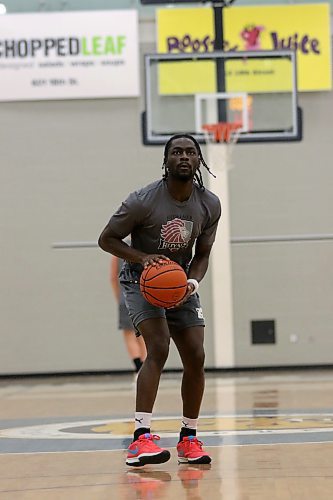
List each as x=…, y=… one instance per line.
x=169, y=447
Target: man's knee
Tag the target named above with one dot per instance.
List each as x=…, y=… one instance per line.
x=159, y=351
x=196, y=358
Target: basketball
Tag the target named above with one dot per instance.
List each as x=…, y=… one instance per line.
x=164, y=285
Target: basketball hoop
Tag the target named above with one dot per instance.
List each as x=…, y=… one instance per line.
x=220, y=139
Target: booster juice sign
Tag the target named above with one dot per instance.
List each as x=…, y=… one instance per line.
x=303, y=28
x=69, y=55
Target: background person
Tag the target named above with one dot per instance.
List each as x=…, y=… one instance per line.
x=135, y=346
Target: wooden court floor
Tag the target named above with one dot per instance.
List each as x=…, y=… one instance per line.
x=270, y=435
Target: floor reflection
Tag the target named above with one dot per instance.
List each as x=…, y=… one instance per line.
x=148, y=483
x=190, y=477
x=265, y=399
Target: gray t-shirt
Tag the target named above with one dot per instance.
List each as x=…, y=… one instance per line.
x=159, y=224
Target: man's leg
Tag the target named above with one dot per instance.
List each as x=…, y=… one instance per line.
x=142, y=348
x=143, y=450
x=155, y=333
x=189, y=343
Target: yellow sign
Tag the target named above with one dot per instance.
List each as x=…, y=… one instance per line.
x=303, y=28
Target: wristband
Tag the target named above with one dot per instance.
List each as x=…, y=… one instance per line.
x=195, y=284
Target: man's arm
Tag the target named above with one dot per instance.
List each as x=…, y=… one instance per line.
x=199, y=263
x=110, y=242
x=198, y=268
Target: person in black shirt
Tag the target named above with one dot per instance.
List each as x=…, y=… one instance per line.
x=167, y=220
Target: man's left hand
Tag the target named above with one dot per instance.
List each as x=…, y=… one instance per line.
x=190, y=290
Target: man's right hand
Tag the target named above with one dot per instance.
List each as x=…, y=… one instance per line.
x=153, y=260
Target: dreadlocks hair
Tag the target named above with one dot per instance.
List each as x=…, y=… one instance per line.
x=197, y=175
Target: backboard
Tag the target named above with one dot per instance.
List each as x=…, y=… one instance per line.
x=257, y=90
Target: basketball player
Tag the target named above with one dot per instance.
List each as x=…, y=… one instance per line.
x=167, y=220
x=135, y=345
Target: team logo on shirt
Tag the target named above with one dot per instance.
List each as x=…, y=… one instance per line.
x=175, y=234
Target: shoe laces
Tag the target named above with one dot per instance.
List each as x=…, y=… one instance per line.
x=149, y=437
x=194, y=441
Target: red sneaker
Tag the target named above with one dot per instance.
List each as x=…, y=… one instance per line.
x=190, y=451
x=144, y=451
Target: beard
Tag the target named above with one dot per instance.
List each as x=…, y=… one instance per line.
x=182, y=175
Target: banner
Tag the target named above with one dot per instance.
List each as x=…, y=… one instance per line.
x=70, y=55
x=303, y=28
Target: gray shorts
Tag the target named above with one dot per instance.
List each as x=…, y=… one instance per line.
x=124, y=320
x=185, y=316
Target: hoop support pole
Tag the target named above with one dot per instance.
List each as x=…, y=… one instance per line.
x=221, y=272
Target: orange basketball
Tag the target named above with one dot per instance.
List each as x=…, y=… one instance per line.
x=164, y=285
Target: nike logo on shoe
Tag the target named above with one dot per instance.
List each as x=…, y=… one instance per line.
x=133, y=452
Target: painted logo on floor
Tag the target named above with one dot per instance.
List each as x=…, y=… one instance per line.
x=115, y=434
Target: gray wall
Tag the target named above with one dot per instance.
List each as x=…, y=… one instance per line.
x=66, y=166
x=285, y=189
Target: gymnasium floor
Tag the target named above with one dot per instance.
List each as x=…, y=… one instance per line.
x=270, y=435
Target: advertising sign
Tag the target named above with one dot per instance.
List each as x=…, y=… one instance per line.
x=303, y=28
x=70, y=55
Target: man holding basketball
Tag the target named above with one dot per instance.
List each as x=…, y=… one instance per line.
x=167, y=220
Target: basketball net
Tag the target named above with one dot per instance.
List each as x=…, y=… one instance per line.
x=220, y=140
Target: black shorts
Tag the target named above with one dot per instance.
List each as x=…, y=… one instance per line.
x=179, y=318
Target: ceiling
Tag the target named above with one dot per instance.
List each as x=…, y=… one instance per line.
x=16, y=6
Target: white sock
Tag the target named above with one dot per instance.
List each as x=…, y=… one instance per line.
x=190, y=423
x=142, y=419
